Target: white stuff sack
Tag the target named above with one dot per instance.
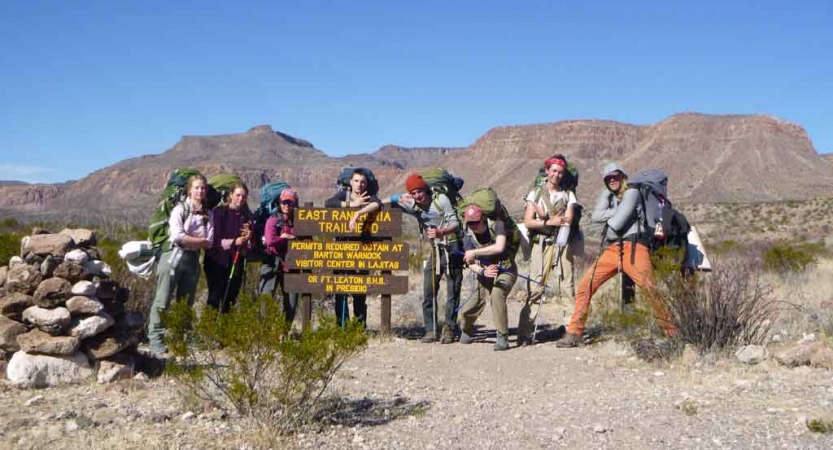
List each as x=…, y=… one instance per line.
x=139, y=257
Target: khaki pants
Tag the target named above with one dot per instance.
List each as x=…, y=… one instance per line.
x=181, y=285
x=495, y=290
x=560, y=277
x=606, y=268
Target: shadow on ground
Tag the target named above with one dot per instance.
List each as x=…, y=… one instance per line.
x=367, y=411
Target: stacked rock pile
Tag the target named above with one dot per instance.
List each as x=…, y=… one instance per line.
x=62, y=319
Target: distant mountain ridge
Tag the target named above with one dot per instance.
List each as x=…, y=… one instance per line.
x=709, y=158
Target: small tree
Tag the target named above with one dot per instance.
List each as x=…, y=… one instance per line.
x=248, y=359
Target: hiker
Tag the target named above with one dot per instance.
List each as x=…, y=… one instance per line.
x=191, y=229
x=437, y=219
x=356, y=196
x=548, y=208
x=488, y=255
x=625, y=250
x=223, y=263
x=616, y=183
x=279, y=230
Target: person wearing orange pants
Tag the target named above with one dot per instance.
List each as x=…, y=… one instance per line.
x=625, y=233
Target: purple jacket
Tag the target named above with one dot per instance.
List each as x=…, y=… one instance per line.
x=275, y=244
x=227, y=226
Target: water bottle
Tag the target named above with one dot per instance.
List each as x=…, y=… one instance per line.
x=659, y=233
x=563, y=236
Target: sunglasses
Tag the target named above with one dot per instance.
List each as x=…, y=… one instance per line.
x=613, y=178
x=472, y=224
x=288, y=202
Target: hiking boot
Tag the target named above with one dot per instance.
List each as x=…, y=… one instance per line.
x=569, y=341
x=524, y=340
x=429, y=338
x=502, y=342
x=447, y=335
x=465, y=339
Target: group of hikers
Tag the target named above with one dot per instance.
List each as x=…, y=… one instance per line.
x=473, y=232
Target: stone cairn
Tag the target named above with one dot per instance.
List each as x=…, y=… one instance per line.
x=62, y=319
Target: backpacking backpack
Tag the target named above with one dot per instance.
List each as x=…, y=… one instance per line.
x=569, y=183
x=270, y=194
x=219, y=188
x=487, y=200
x=174, y=193
x=655, y=210
x=343, y=181
x=442, y=182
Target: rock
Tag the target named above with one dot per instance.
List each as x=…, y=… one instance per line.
x=798, y=355
x=48, y=266
x=71, y=426
x=77, y=256
x=33, y=259
x=97, y=267
x=117, y=367
x=87, y=327
x=34, y=400
x=599, y=428
x=108, y=344
x=9, y=331
x=822, y=358
x=107, y=289
x=15, y=261
x=188, y=417
x=84, y=288
x=52, y=292
x=82, y=237
x=23, y=278
x=808, y=338
x=49, y=320
x=141, y=376
x=93, y=253
x=70, y=271
x=751, y=354
x=39, y=371
x=13, y=305
x=4, y=271
x=84, y=305
x=38, y=342
x=48, y=244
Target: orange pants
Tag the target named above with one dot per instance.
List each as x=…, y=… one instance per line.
x=606, y=268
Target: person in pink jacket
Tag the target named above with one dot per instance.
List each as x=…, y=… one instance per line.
x=279, y=230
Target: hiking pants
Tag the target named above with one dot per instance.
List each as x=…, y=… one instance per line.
x=271, y=276
x=222, y=290
x=606, y=268
x=560, y=269
x=431, y=282
x=495, y=291
x=181, y=285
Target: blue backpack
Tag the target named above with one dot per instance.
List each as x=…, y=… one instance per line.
x=270, y=193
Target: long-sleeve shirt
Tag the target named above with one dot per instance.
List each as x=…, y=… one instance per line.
x=195, y=224
x=440, y=214
x=275, y=244
x=605, y=208
x=624, y=221
x=228, y=223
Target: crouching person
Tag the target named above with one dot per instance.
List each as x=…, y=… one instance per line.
x=489, y=256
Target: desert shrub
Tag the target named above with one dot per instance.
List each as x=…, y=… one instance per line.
x=721, y=310
x=784, y=257
x=9, y=246
x=248, y=361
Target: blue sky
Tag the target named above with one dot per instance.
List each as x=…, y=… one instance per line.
x=86, y=84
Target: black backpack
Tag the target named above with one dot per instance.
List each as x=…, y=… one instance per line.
x=656, y=211
x=343, y=181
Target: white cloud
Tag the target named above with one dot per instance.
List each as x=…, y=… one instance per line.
x=22, y=172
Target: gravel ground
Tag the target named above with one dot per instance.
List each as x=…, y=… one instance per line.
x=401, y=394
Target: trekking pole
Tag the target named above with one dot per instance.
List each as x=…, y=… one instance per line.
x=501, y=269
x=228, y=282
x=619, y=277
x=473, y=290
x=434, y=263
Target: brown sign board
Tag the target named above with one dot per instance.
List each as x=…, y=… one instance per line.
x=335, y=222
x=323, y=284
x=347, y=255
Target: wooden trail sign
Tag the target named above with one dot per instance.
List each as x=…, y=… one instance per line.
x=350, y=283
x=335, y=222
x=347, y=255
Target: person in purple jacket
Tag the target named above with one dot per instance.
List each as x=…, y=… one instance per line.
x=223, y=263
x=279, y=230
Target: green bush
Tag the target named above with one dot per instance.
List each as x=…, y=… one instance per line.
x=248, y=360
x=9, y=246
x=784, y=257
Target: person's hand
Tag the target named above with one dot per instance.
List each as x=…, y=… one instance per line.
x=434, y=232
x=287, y=236
x=353, y=223
x=406, y=199
x=240, y=241
x=361, y=200
x=491, y=271
x=470, y=257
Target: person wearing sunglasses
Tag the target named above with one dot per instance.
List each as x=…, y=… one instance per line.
x=279, y=230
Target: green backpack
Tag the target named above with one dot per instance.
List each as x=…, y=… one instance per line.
x=219, y=188
x=442, y=182
x=568, y=183
x=487, y=200
x=173, y=194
